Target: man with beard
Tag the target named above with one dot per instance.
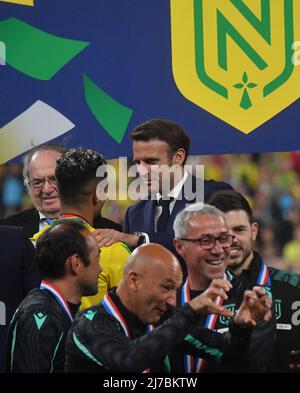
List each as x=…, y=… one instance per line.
x=203, y=240
x=248, y=265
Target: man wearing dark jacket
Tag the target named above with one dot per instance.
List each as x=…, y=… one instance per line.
x=248, y=265
x=160, y=150
x=67, y=256
x=18, y=275
x=203, y=240
x=39, y=179
x=125, y=334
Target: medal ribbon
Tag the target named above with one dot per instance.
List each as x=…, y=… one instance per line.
x=46, y=285
x=191, y=363
x=264, y=276
x=113, y=310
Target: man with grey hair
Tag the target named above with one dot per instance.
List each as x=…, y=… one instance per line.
x=39, y=179
x=120, y=335
x=203, y=240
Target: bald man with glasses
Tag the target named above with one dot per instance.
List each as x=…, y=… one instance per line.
x=203, y=240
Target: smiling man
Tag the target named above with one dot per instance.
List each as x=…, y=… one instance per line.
x=204, y=243
x=203, y=240
x=122, y=333
x=248, y=265
x=42, y=182
x=39, y=179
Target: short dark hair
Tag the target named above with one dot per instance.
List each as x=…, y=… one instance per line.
x=164, y=130
x=28, y=157
x=57, y=243
x=75, y=171
x=228, y=200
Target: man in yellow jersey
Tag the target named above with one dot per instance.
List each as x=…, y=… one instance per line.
x=77, y=183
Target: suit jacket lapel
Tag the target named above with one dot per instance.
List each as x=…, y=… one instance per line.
x=31, y=222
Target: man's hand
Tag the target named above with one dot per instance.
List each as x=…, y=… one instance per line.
x=206, y=303
x=256, y=306
x=107, y=237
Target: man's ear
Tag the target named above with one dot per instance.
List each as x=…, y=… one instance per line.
x=178, y=246
x=254, y=230
x=97, y=203
x=74, y=263
x=133, y=280
x=179, y=156
x=95, y=198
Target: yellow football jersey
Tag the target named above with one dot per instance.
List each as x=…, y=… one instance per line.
x=112, y=260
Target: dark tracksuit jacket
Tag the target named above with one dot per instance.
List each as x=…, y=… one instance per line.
x=37, y=335
x=256, y=356
x=98, y=343
x=285, y=289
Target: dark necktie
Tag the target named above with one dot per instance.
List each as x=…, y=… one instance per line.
x=165, y=214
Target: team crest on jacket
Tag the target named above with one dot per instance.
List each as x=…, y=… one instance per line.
x=225, y=320
x=237, y=59
x=277, y=307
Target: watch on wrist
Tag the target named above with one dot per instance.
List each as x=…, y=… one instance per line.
x=141, y=238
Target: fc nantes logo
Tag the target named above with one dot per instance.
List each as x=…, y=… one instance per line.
x=236, y=58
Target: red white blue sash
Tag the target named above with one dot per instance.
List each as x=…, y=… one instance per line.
x=113, y=310
x=191, y=363
x=264, y=276
x=46, y=285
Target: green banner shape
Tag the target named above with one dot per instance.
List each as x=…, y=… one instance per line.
x=113, y=116
x=34, y=52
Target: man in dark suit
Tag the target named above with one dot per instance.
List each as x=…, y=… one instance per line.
x=18, y=275
x=160, y=149
x=28, y=219
x=40, y=181
x=249, y=269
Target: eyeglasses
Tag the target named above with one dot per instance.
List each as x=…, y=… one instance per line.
x=38, y=184
x=208, y=242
